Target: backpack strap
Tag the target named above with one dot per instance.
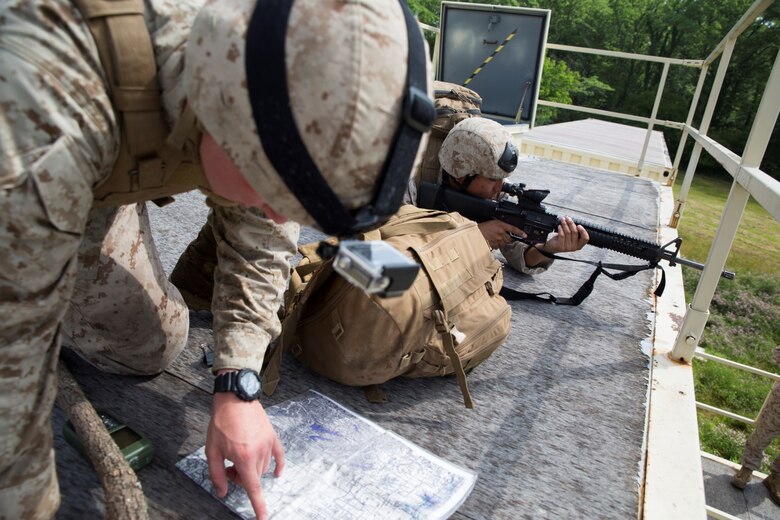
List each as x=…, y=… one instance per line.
x=443, y=327
x=147, y=166
x=298, y=294
x=127, y=55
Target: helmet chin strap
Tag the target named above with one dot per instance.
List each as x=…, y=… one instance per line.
x=466, y=182
x=266, y=73
x=461, y=183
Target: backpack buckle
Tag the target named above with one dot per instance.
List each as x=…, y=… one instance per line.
x=419, y=111
x=440, y=321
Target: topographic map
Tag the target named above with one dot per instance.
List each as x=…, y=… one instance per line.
x=340, y=465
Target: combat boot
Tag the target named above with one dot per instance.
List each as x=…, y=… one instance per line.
x=772, y=484
x=742, y=477
x=194, y=272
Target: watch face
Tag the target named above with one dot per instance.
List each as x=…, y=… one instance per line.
x=248, y=384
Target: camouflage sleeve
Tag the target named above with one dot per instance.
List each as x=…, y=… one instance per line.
x=514, y=252
x=515, y=256
x=410, y=195
x=254, y=256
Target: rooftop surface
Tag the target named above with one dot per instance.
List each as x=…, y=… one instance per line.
x=559, y=425
x=597, y=136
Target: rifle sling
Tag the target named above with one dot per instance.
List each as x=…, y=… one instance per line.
x=626, y=271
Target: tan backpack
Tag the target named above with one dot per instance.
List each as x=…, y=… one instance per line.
x=449, y=321
x=454, y=103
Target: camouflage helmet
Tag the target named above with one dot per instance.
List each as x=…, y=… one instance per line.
x=478, y=146
x=312, y=102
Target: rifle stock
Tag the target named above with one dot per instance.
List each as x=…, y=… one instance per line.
x=530, y=215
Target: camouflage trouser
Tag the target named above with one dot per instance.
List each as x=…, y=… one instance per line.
x=767, y=429
x=123, y=317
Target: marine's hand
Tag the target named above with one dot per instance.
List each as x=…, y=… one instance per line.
x=570, y=237
x=241, y=432
x=496, y=232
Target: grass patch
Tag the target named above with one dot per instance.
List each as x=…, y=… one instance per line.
x=724, y=438
x=756, y=247
x=743, y=393
x=744, y=322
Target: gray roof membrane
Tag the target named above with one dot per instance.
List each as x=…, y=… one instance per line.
x=559, y=424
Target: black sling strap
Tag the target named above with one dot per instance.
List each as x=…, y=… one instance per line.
x=624, y=271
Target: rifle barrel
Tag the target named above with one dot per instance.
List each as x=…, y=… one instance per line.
x=728, y=275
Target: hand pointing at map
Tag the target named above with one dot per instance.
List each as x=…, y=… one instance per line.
x=240, y=431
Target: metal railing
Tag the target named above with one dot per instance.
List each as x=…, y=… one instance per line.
x=702, y=354
x=748, y=178
x=650, y=121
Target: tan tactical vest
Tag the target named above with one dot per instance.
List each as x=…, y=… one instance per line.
x=154, y=162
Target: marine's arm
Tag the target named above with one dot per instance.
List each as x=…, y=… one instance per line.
x=250, y=279
x=569, y=237
x=517, y=253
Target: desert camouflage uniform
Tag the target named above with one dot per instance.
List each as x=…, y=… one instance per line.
x=767, y=429
x=95, y=275
x=514, y=252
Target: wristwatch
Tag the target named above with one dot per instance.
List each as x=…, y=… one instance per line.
x=245, y=383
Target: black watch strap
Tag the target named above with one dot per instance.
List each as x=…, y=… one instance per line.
x=226, y=382
x=232, y=382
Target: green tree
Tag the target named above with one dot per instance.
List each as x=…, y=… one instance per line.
x=686, y=29
x=559, y=83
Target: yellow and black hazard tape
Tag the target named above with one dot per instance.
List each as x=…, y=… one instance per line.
x=490, y=58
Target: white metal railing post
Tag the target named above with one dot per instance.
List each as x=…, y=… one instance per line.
x=436, y=50
x=712, y=101
x=698, y=310
x=436, y=43
x=684, y=135
x=659, y=94
x=753, y=12
x=764, y=123
x=755, y=148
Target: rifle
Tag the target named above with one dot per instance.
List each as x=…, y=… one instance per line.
x=530, y=215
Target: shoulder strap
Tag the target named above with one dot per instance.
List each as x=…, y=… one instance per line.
x=443, y=327
x=298, y=292
x=152, y=164
x=127, y=55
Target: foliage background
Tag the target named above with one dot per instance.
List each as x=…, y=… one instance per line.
x=686, y=29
